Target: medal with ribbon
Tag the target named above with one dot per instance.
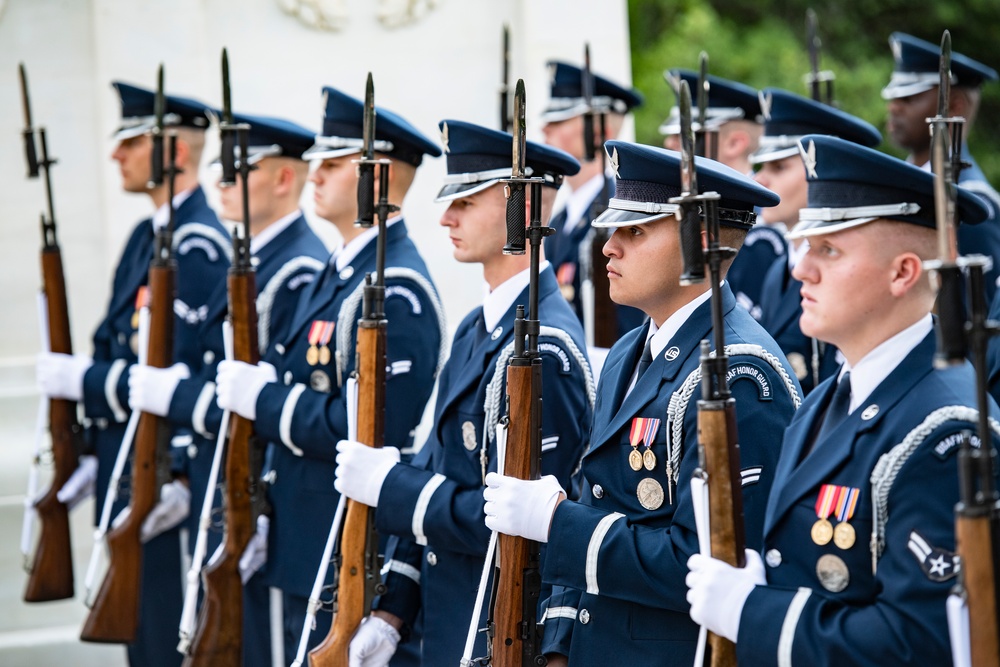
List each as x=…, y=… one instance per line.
x=844, y=535
x=320, y=334
x=822, y=531
x=643, y=431
x=141, y=299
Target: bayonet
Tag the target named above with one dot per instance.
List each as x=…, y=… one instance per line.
x=504, y=79
x=227, y=134
x=689, y=212
x=816, y=78
x=30, y=154
x=366, y=166
x=514, y=190
x=159, y=109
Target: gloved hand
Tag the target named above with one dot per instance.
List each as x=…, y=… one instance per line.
x=238, y=384
x=373, y=644
x=718, y=591
x=255, y=555
x=61, y=375
x=174, y=507
x=519, y=507
x=361, y=470
x=80, y=484
x=150, y=389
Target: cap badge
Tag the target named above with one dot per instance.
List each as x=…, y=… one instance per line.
x=615, y=162
x=765, y=104
x=444, y=137
x=809, y=158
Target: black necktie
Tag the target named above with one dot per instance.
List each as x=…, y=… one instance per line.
x=836, y=411
x=645, y=360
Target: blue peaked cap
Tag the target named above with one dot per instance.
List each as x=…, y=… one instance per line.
x=274, y=137
x=478, y=157
x=343, y=131
x=788, y=116
x=648, y=177
x=566, y=94
x=139, y=111
x=727, y=100
x=917, y=65
x=850, y=185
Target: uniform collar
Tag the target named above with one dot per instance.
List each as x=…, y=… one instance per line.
x=258, y=241
x=579, y=201
x=162, y=215
x=662, y=334
x=498, y=302
x=345, y=254
x=869, y=373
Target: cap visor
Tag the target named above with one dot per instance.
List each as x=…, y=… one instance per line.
x=809, y=228
x=616, y=217
x=318, y=152
x=454, y=191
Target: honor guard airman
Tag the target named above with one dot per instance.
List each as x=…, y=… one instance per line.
x=617, y=557
x=569, y=247
x=780, y=168
x=435, y=507
x=295, y=394
x=202, y=251
x=858, y=552
x=911, y=98
x=286, y=255
x=734, y=119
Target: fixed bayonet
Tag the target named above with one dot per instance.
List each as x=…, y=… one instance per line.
x=159, y=109
x=587, y=88
x=689, y=212
x=30, y=154
x=504, y=79
x=816, y=79
x=514, y=190
x=366, y=166
x=227, y=133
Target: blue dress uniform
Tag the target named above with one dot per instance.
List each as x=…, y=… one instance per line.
x=617, y=557
x=915, y=70
x=879, y=598
x=568, y=249
x=435, y=507
x=733, y=101
x=202, y=252
x=304, y=414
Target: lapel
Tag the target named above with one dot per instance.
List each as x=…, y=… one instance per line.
x=835, y=449
x=137, y=272
x=193, y=207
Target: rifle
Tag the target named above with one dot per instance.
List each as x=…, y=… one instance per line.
x=504, y=78
x=51, y=574
x=360, y=578
x=600, y=312
x=115, y=615
x=219, y=637
x=816, y=79
x=706, y=141
x=718, y=445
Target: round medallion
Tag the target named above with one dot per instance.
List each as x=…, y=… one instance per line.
x=650, y=493
x=832, y=573
x=133, y=343
x=844, y=535
x=635, y=460
x=822, y=532
x=312, y=355
x=649, y=459
x=347, y=273
x=319, y=381
x=798, y=362
x=671, y=353
x=568, y=291
x=469, y=435
x=324, y=355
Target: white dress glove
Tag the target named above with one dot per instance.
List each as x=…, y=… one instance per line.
x=255, y=555
x=80, y=484
x=61, y=375
x=174, y=507
x=238, y=384
x=151, y=389
x=519, y=507
x=373, y=644
x=718, y=591
x=361, y=470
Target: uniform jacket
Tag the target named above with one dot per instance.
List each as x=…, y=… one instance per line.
x=896, y=614
x=563, y=250
x=763, y=245
x=436, y=505
x=202, y=251
x=618, y=566
x=984, y=238
x=304, y=413
x=781, y=308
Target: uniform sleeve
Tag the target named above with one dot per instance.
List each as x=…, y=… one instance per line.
x=193, y=404
x=310, y=422
x=590, y=549
x=906, y=621
x=401, y=575
x=429, y=507
x=105, y=390
x=558, y=619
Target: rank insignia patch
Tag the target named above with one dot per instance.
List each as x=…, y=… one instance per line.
x=937, y=563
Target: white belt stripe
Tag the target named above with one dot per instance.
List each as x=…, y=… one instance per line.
x=287, y=412
x=201, y=406
x=594, y=548
x=402, y=568
x=559, y=612
x=788, y=627
x=420, y=510
x=111, y=389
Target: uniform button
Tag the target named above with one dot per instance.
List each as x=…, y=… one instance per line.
x=121, y=338
x=772, y=558
x=584, y=616
x=279, y=348
x=432, y=558
x=598, y=491
x=271, y=477
x=192, y=451
x=288, y=377
x=209, y=356
x=347, y=273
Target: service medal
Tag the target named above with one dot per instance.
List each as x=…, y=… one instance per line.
x=822, y=531
x=650, y=493
x=649, y=459
x=319, y=381
x=832, y=573
x=564, y=276
x=844, y=535
x=324, y=355
x=320, y=334
x=133, y=343
x=312, y=355
x=469, y=435
x=635, y=460
x=643, y=431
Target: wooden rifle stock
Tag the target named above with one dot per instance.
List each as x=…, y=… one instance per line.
x=115, y=615
x=218, y=639
x=51, y=575
x=605, y=310
x=518, y=576
x=359, y=574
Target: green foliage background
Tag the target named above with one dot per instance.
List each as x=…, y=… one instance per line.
x=763, y=43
